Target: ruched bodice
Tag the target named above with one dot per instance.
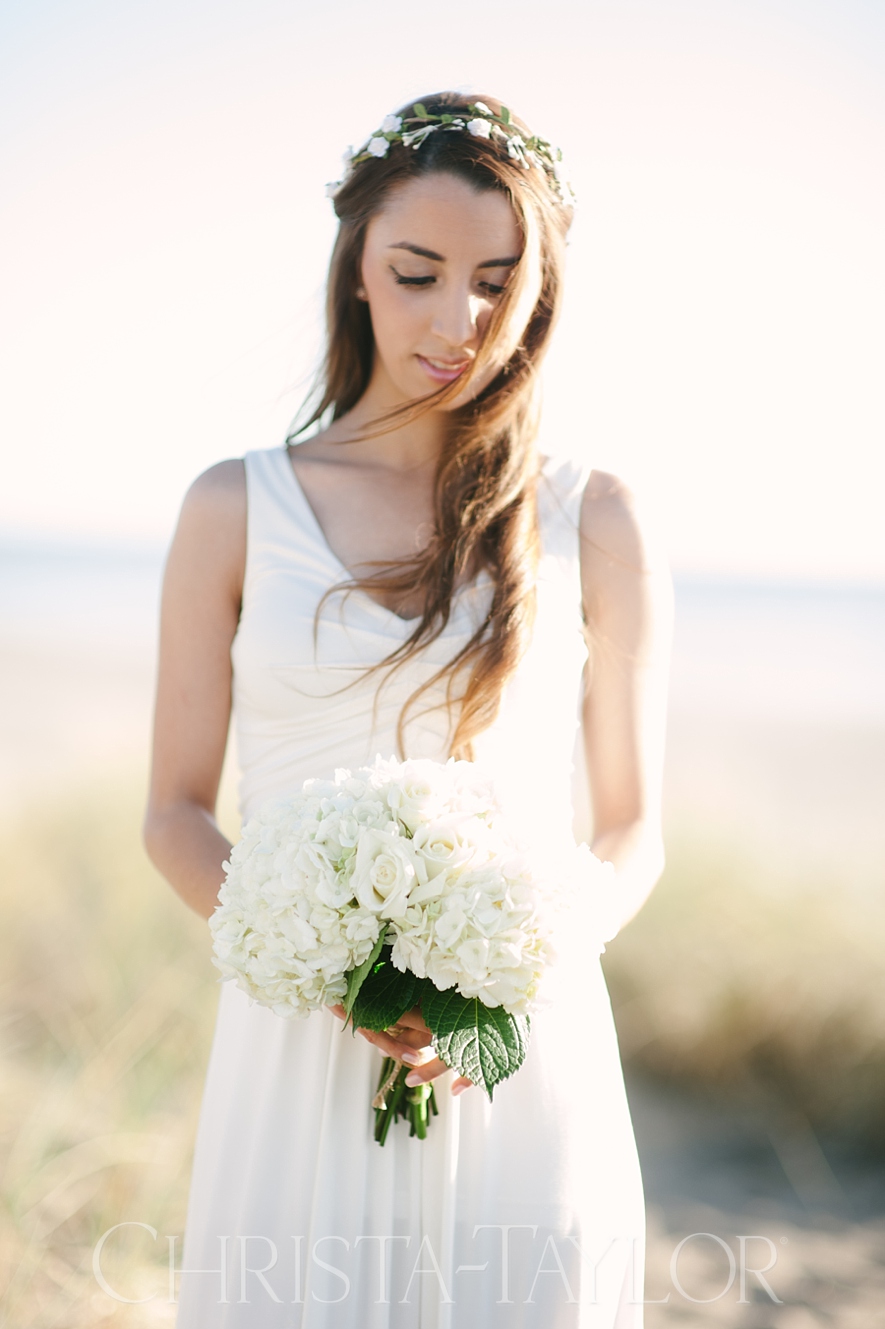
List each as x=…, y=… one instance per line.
x=287, y=1177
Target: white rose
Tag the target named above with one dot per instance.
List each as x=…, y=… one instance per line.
x=479, y=128
x=443, y=846
x=391, y=124
x=383, y=873
x=377, y=146
x=417, y=794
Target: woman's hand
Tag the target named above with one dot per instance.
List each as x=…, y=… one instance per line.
x=409, y=1041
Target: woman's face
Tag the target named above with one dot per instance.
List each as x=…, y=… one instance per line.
x=435, y=261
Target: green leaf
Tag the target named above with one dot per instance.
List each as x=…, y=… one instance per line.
x=384, y=995
x=420, y=110
x=484, y=1043
x=505, y=115
x=357, y=977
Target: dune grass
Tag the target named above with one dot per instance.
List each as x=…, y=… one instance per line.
x=107, y=1006
x=727, y=980
x=767, y=990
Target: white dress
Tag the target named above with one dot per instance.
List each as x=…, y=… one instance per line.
x=526, y=1213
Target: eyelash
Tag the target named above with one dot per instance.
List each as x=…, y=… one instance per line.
x=400, y=280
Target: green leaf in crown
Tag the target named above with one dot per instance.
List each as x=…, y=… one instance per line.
x=410, y=132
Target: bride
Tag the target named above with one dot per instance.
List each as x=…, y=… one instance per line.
x=414, y=577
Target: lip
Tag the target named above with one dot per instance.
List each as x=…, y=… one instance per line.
x=441, y=371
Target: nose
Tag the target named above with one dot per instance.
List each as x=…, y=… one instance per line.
x=458, y=315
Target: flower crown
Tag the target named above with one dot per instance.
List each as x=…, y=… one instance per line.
x=411, y=131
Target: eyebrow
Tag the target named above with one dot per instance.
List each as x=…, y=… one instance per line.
x=438, y=258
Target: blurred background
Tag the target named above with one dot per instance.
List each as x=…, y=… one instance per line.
x=165, y=241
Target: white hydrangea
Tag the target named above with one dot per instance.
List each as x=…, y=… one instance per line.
x=479, y=128
x=415, y=848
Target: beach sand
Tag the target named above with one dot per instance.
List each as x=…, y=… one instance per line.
x=817, y=1213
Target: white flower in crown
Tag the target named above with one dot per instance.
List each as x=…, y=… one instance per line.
x=377, y=146
x=333, y=188
x=482, y=108
x=391, y=124
x=347, y=156
x=479, y=128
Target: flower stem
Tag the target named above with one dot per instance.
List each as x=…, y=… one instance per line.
x=396, y=1099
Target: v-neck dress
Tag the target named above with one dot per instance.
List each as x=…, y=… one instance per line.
x=523, y=1213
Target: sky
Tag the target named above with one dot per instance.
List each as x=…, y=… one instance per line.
x=166, y=234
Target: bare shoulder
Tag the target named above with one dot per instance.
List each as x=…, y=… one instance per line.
x=215, y=504
x=617, y=527
x=210, y=540
x=623, y=560
x=613, y=525
x=220, y=489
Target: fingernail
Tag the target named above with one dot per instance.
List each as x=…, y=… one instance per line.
x=412, y=1079
x=456, y=1089
x=411, y=1058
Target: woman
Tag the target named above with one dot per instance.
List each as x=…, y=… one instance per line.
x=414, y=577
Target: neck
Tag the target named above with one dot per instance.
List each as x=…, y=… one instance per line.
x=405, y=447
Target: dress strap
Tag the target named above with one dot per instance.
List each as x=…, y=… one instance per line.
x=278, y=524
x=561, y=485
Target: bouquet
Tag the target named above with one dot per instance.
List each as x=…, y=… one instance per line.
x=399, y=886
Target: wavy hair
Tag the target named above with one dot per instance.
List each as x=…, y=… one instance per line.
x=485, y=482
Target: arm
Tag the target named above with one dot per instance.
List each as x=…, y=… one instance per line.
x=628, y=607
x=202, y=589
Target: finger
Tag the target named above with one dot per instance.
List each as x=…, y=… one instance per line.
x=459, y=1085
x=396, y=1042
x=400, y=1048
x=413, y=1020
x=409, y=1038
x=431, y=1070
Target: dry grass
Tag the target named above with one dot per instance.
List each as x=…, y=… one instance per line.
x=107, y=1006
x=734, y=980
x=108, y=999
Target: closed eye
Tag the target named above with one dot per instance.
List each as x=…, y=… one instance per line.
x=491, y=288
x=411, y=281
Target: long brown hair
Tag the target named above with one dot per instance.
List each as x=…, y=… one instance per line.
x=484, y=489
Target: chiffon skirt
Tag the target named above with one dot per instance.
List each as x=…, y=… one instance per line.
x=524, y=1213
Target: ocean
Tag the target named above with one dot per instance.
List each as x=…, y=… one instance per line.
x=777, y=710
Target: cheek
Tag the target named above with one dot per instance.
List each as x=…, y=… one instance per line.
x=395, y=320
